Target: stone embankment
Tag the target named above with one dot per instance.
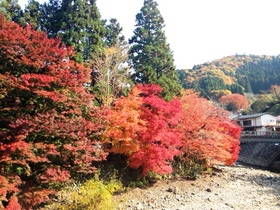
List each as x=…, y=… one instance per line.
x=237, y=187
x=265, y=155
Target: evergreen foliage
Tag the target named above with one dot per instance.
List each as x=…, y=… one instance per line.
x=150, y=55
x=210, y=83
x=261, y=74
x=79, y=25
x=268, y=102
x=33, y=14
x=50, y=18
x=77, y=22
x=11, y=10
x=114, y=34
x=82, y=28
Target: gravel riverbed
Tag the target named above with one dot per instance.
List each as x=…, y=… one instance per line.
x=236, y=187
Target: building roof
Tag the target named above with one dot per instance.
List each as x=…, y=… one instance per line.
x=240, y=117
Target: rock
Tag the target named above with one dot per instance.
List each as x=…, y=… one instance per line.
x=139, y=206
x=208, y=190
x=236, y=187
x=169, y=190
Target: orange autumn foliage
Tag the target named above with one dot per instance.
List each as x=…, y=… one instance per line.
x=151, y=131
x=234, y=102
x=207, y=130
x=124, y=124
x=143, y=127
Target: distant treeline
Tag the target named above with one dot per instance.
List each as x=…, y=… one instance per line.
x=238, y=74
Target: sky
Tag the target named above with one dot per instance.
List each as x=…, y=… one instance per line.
x=200, y=31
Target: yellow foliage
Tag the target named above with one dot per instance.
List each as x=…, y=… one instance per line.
x=216, y=94
x=92, y=195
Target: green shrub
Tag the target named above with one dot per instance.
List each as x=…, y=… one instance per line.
x=190, y=167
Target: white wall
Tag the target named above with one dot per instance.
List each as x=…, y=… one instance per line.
x=268, y=120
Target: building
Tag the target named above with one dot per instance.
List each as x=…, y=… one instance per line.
x=257, y=124
x=277, y=127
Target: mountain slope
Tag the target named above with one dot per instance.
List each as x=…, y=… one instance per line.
x=238, y=74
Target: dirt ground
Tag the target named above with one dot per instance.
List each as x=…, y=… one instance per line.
x=237, y=187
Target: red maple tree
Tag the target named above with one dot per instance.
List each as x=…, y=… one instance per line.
x=144, y=127
x=49, y=125
x=208, y=132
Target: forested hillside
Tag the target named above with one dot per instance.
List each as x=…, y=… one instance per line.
x=238, y=74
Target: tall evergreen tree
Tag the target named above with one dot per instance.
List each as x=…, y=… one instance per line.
x=79, y=25
x=114, y=34
x=33, y=14
x=50, y=20
x=11, y=11
x=150, y=55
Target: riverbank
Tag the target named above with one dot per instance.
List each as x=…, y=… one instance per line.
x=237, y=187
